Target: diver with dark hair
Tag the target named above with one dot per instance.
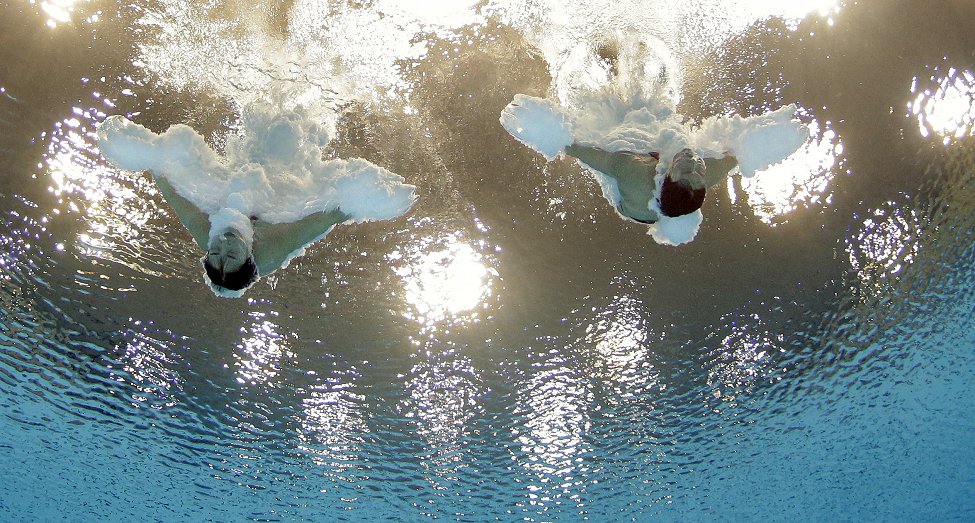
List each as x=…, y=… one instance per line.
x=268, y=196
x=240, y=249
x=229, y=262
x=681, y=192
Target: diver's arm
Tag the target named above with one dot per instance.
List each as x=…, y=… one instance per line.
x=193, y=219
x=276, y=243
x=623, y=166
x=602, y=161
x=718, y=169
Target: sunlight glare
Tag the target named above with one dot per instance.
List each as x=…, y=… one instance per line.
x=259, y=354
x=109, y=199
x=798, y=181
x=148, y=368
x=888, y=242
x=553, y=442
x=58, y=11
x=620, y=339
x=445, y=283
x=743, y=359
x=443, y=397
x=946, y=109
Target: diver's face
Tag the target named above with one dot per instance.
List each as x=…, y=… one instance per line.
x=228, y=252
x=685, y=166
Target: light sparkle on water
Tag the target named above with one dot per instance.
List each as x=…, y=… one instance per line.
x=945, y=105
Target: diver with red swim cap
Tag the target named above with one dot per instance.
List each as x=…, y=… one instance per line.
x=682, y=191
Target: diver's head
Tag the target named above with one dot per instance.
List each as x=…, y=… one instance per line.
x=229, y=262
x=684, y=187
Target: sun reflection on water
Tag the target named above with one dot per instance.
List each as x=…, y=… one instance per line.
x=332, y=425
x=444, y=282
x=111, y=201
x=743, y=359
x=443, y=396
x=553, y=441
x=558, y=400
x=888, y=242
x=945, y=105
x=620, y=338
x=61, y=11
x=260, y=353
x=794, y=9
x=798, y=181
x=148, y=365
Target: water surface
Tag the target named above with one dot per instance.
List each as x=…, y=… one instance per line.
x=510, y=350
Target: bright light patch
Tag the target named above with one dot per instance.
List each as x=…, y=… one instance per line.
x=621, y=340
x=443, y=397
x=888, y=242
x=115, y=212
x=332, y=426
x=743, y=359
x=455, y=13
x=947, y=107
x=260, y=353
x=552, y=440
x=445, y=283
x=793, y=9
x=148, y=368
x=58, y=11
x=798, y=181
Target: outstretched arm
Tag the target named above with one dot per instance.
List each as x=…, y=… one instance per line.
x=602, y=161
x=193, y=219
x=276, y=243
x=718, y=169
x=623, y=166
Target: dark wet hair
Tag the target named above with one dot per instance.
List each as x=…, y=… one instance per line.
x=678, y=198
x=234, y=281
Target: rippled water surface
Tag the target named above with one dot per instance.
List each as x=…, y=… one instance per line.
x=510, y=350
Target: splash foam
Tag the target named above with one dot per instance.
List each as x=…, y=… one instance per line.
x=273, y=169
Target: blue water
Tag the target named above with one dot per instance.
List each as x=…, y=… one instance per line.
x=805, y=358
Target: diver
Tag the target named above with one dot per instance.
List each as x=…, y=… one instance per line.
x=263, y=201
x=241, y=249
x=681, y=192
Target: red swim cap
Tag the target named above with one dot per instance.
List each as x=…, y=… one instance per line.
x=678, y=199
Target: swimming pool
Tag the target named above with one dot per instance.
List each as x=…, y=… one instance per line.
x=510, y=350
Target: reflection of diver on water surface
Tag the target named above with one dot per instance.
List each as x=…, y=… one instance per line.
x=266, y=199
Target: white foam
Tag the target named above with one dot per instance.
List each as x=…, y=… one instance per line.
x=224, y=292
x=676, y=231
x=539, y=124
x=758, y=142
x=272, y=169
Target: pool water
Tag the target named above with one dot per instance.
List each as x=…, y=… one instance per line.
x=510, y=350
